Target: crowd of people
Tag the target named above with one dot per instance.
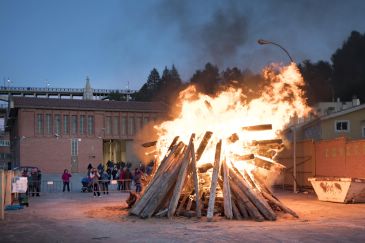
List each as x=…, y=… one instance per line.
x=99, y=178
x=34, y=176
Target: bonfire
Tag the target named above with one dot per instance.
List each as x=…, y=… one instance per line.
x=217, y=157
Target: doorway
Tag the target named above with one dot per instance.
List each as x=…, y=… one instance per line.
x=114, y=150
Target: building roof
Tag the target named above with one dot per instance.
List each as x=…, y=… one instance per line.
x=343, y=112
x=74, y=104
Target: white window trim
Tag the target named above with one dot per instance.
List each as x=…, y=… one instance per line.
x=348, y=126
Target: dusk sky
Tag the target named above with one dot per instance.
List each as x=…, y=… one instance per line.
x=114, y=42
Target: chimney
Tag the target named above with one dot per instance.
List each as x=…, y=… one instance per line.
x=355, y=101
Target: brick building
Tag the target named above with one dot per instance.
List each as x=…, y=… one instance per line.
x=54, y=134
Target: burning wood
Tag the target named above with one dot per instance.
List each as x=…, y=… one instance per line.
x=236, y=189
x=258, y=127
x=149, y=144
x=178, y=183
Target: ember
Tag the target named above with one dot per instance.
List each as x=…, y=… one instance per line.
x=239, y=140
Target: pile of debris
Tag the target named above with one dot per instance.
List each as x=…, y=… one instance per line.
x=180, y=187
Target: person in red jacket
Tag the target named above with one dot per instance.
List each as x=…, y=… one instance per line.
x=66, y=180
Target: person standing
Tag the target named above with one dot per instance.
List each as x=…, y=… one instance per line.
x=94, y=177
x=66, y=180
x=33, y=182
x=105, y=180
x=137, y=180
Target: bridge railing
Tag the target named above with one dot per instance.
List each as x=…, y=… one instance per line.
x=5, y=89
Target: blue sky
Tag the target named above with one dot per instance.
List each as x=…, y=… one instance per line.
x=116, y=42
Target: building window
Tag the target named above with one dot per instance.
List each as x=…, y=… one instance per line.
x=4, y=143
x=145, y=121
x=40, y=123
x=90, y=125
x=57, y=124
x=124, y=126
x=108, y=125
x=342, y=126
x=73, y=124
x=131, y=126
x=138, y=124
x=49, y=124
x=66, y=125
x=363, y=132
x=74, y=147
x=116, y=125
x=82, y=124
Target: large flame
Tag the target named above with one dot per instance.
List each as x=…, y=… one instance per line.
x=281, y=100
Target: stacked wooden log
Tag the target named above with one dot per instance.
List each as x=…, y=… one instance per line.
x=180, y=187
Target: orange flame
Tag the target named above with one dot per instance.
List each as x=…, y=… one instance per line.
x=281, y=100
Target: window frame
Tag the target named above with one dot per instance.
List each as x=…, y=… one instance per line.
x=341, y=130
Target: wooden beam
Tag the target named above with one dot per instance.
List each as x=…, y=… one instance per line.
x=203, y=144
x=213, y=185
x=236, y=213
x=180, y=180
x=265, y=142
x=156, y=181
x=162, y=189
x=261, y=205
x=227, y=192
x=149, y=144
x=251, y=208
x=9, y=177
x=261, y=127
x=279, y=204
x=196, y=180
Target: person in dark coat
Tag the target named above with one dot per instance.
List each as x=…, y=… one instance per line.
x=138, y=180
x=34, y=183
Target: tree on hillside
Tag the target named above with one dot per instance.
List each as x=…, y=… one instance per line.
x=207, y=80
x=169, y=85
x=317, y=77
x=150, y=88
x=349, y=68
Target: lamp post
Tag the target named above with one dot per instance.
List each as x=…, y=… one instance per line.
x=266, y=42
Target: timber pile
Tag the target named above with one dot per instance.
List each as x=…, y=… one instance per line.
x=179, y=187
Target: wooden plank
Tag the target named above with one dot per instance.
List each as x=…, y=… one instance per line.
x=261, y=127
x=236, y=213
x=182, y=203
x=196, y=181
x=265, y=142
x=279, y=204
x=252, y=210
x=9, y=177
x=168, y=181
x=180, y=180
x=156, y=181
x=203, y=144
x=149, y=144
x=227, y=192
x=252, y=195
x=162, y=213
x=2, y=194
x=213, y=185
x=205, y=167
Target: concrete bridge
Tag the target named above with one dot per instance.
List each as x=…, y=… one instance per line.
x=60, y=92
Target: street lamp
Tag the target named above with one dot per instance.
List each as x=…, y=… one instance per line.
x=265, y=42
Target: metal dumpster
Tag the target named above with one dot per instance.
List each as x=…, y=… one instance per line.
x=337, y=189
